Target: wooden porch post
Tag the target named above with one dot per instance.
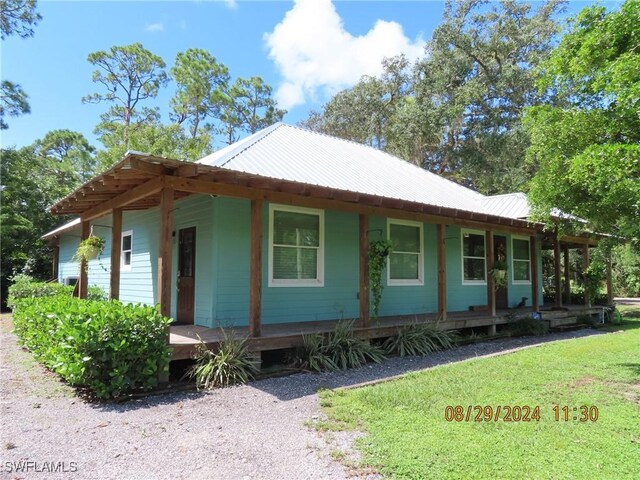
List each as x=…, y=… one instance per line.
x=535, y=302
x=585, y=265
x=609, y=282
x=567, y=277
x=557, y=264
x=165, y=250
x=84, y=276
x=442, y=272
x=491, y=291
x=56, y=261
x=116, y=249
x=364, y=271
x=255, y=270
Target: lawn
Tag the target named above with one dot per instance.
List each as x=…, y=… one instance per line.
x=407, y=435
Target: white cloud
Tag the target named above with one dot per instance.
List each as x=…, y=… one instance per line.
x=314, y=53
x=231, y=3
x=154, y=27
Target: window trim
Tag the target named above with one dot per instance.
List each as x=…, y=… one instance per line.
x=291, y=282
x=513, y=279
x=397, y=282
x=463, y=256
x=123, y=267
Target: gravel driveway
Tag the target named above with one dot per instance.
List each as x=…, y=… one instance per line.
x=254, y=431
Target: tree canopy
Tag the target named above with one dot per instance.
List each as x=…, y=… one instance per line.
x=587, y=149
x=458, y=111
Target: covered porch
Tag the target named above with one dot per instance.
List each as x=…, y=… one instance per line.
x=184, y=339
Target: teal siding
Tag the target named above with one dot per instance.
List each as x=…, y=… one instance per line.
x=337, y=299
x=139, y=284
x=222, y=267
x=230, y=254
x=459, y=296
x=409, y=299
x=196, y=211
x=67, y=266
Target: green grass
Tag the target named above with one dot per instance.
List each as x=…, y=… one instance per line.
x=407, y=435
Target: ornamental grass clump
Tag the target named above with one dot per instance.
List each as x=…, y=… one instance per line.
x=337, y=350
x=419, y=339
x=232, y=363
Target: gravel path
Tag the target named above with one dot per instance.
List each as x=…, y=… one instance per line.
x=253, y=431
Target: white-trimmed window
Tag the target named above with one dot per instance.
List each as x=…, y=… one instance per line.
x=296, y=247
x=126, y=247
x=520, y=260
x=406, y=264
x=474, y=262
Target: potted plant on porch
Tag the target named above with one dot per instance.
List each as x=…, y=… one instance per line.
x=89, y=248
x=500, y=267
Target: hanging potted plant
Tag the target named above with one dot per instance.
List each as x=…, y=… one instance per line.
x=379, y=250
x=500, y=266
x=499, y=273
x=89, y=248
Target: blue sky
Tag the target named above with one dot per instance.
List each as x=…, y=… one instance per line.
x=306, y=50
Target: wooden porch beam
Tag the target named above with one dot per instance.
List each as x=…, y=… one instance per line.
x=491, y=290
x=165, y=250
x=148, y=188
x=535, y=302
x=239, y=191
x=144, y=166
x=579, y=240
x=83, y=278
x=255, y=270
x=609, y=282
x=442, y=271
x=116, y=249
x=363, y=294
x=557, y=265
x=585, y=266
x=567, y=277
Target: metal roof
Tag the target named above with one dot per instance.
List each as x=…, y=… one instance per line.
x=291, y=153
x=512, y=205
x=285, y=155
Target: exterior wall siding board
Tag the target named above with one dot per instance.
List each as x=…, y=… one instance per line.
x=67, y=266
x=222, y=267
x=338, y=297
x=409, y=299
x=459, y=297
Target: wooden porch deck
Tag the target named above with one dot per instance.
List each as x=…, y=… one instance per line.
x=185, y=338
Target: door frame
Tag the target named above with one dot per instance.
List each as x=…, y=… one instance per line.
x=191, y=320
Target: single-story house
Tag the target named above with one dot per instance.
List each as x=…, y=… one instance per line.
x=269, y=236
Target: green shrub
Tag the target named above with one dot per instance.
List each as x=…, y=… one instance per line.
x=338, y=350
x=230, y=364
x=95, y=292
x=24, y=286
x=419, y=339
x=109, y=347
x=528, y=326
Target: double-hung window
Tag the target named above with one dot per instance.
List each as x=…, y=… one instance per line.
x=474, y=263
x=126, y=250
x=521, y=260
x=406, y=264
x=296, y=247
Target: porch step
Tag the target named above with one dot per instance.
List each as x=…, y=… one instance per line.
x=569, y=327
